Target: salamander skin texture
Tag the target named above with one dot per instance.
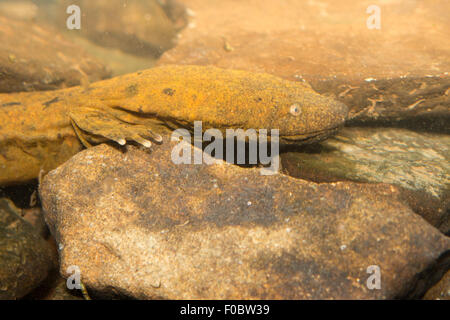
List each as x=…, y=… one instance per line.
x=41, y=130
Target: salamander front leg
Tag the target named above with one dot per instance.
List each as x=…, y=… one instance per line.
x=92, y=126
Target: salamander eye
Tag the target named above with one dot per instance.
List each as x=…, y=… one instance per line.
x=295, y=109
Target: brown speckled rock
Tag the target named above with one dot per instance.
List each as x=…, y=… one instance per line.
x=396, y=75
x=418, y=163
x=136, y=224
x=36, y=57
x=26, y=258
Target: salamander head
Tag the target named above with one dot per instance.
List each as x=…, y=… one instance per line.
x=301, y=114
x=250, y=100
x=309, y=117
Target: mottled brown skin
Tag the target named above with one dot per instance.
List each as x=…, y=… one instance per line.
x=41, y=130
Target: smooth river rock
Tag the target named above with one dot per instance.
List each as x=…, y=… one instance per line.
x=418, y=163
x=138, y=225
x=397, y=74
x=34, y=56
x=26, y=258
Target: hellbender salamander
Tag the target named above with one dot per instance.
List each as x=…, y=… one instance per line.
x=41, y=130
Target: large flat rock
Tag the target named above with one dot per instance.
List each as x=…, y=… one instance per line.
x=397, y=74
x=36, y=57
x=418, y=163
x=138, y=225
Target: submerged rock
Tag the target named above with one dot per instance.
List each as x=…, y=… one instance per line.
x=143, y=28
x=19, y=9
x=35, y=217
x=395, y=75
x=26, y=259
x=418, y=163
x=138, y=225
x=36, y=57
